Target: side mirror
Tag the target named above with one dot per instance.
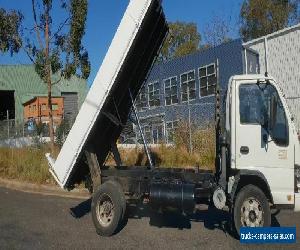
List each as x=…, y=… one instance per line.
x=264, y=121
x=273, y=111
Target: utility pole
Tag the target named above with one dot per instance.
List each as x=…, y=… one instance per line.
x=189, y=114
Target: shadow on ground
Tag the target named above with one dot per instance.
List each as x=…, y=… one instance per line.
x=211, y=217
x=81, y=209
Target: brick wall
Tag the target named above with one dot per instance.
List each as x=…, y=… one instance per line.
x=37, y=109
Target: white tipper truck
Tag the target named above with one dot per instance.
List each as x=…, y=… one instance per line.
x=257, y=152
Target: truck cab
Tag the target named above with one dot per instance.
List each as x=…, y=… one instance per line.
x=263, y=146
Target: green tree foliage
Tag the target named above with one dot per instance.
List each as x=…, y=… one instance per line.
x=216, y=32
x=56, y=49
x=262, y=17
x=10, y=39
x=59, y=47
x=183, y=39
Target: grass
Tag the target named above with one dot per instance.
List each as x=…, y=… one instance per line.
x=179, y=155
x=29, y=163
x=25, y=164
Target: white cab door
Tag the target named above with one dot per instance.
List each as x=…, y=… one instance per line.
x=260, y=147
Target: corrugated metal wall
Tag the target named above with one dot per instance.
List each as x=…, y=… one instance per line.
x=283, y=63
x=70, y=105
x=230, y=57
x=202, y=108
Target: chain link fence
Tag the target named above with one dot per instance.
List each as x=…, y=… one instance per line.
x=178, y=123
x=159, y=126
x=14, y=133
x=11, y=128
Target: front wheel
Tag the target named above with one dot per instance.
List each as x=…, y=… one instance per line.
x=251, y=208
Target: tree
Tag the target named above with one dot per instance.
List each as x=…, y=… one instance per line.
x=10, y=39
x=262, y=17
x=216, y=32
x=57, y=52
x=183, y=39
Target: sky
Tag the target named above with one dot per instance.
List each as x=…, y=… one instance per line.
x=104, y=17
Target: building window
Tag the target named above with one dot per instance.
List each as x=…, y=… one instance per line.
x=171, y=91
x=171, y=127
x=208, y=79
x=153, y=89
x=54, y=106
x=44, y=107
x=34, y=107
x=157, y=132
x=188, y=86
x=147, y=133
x=141, y=100
x=152, y=128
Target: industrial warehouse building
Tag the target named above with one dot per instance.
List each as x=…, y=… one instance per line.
x=279, y=55
x=20, y=83
x=183, y=89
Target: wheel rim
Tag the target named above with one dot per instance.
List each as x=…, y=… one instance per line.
x=252, y=213
x=105, y=210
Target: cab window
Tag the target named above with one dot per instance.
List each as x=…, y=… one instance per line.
x=255, y=101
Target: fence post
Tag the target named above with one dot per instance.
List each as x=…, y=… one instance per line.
x=7, y=117
x=23, y=132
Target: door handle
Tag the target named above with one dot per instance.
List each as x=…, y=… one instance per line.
x=244, y=150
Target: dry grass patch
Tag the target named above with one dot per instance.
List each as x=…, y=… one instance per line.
x=27, y=164
x=178, y=155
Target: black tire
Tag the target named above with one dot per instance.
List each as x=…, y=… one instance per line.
x=251, y=208
x=108, y=208
x=123, y=199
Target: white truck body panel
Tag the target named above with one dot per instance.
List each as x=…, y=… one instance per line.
x=105, y=79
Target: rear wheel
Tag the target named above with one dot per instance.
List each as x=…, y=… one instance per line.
x=108, y=208
x=251, y=208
